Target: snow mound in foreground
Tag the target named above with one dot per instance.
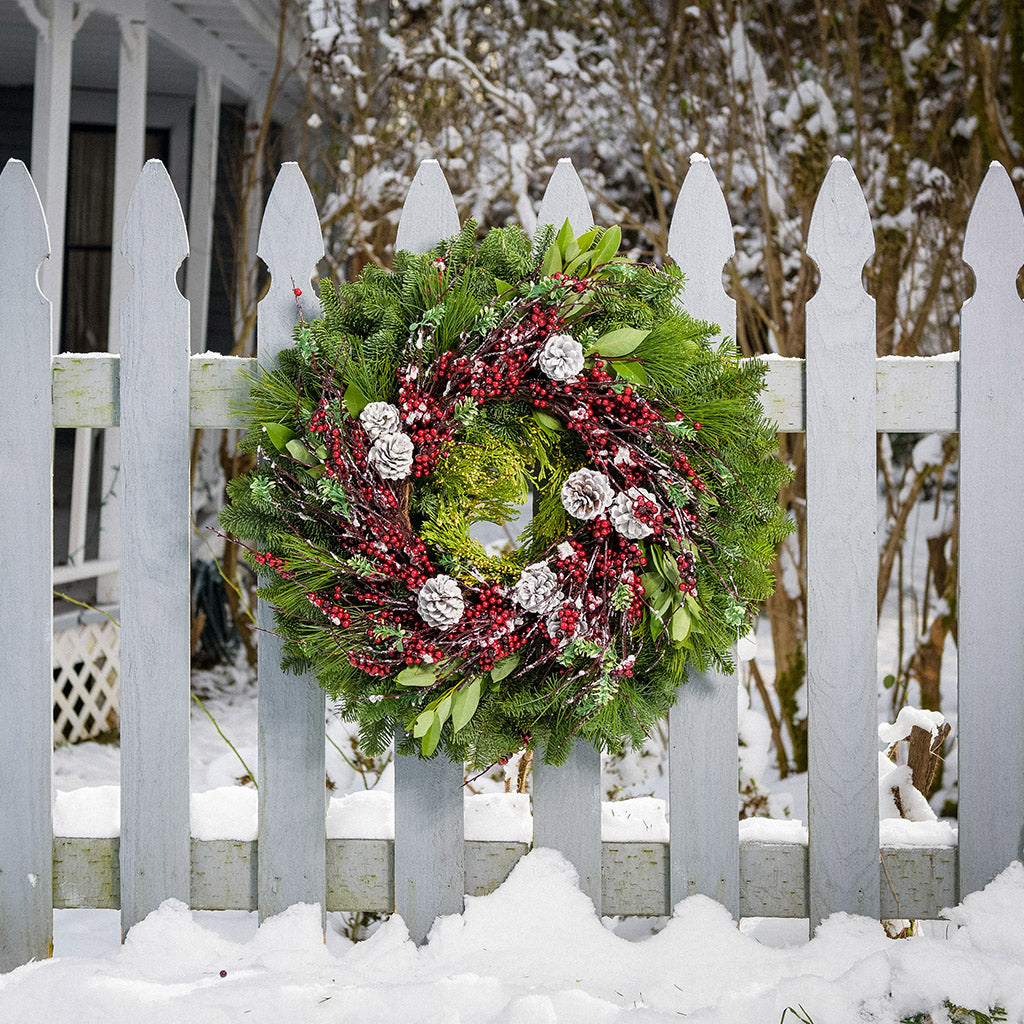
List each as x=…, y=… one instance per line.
x=534, y=952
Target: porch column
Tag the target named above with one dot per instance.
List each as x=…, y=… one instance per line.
x=51, y=115
x=201, y=199
x=250, y=210
x=129, y=152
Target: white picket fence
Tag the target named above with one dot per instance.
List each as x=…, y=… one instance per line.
x=842, y=395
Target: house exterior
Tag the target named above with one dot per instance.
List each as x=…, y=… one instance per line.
x=88, y=92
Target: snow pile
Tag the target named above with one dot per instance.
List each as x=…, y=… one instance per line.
x=534, y=952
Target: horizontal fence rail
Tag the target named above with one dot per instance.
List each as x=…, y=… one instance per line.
x=833, y=395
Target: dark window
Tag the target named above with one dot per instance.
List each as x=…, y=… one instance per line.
x=88, y=233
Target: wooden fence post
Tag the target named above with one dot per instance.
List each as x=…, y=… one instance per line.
x=292, y=845
x=842, y=558
x=155, y=535
x=704, y=853
x=26, y=602
x=567, y=799
x=429, y=832
x=990, y=720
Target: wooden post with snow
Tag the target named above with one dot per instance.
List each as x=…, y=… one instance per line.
x=990, y=720
x=842, y=558
x=292, y=852
x=703, y=836
x=155, y=554
x=429, y=832
x=26, y=603
x=567, y=799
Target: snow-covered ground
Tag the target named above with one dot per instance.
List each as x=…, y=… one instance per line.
x=533, y=952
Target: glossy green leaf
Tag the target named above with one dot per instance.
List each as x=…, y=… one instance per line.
x=355, y=401
x=465, y=703
x=546, y=421
x=679, y=628
x=417, y=675
x=586, y=240
x=432, y=737
x=552, y=260
x=444, y=708
x=298, y=451
x=618, y=343
x=566, y=241
x=633, y=372
x=505, y=667
x=423, y=723
x=279, y=435
x=608, y=246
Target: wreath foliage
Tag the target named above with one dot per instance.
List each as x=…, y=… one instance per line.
x=448, y=392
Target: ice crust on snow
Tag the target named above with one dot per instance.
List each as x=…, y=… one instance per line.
x=533, y=951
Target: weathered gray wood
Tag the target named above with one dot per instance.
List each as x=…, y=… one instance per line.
x=567, y=799
x=429, y=848
x=290, y=729
x=26, y=604
x=429, y=212
x=915, y=394
x=155, y=611
x=565, y=198
x=841, y=557
x=773, y=876
x=703, y=724
x=990, y=723
x=429, y=862
x=567, y=813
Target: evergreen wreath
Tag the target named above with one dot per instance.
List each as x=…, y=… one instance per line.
x=442, y=394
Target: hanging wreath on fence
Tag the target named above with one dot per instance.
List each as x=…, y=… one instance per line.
x=449, y=391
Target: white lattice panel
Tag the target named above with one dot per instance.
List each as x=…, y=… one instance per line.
x=86, y=685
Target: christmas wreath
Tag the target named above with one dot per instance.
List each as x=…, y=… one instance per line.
x=455, y=389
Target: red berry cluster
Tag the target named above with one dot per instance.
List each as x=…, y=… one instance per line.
x=687, y=563
x=328, y=605
x=575, y=284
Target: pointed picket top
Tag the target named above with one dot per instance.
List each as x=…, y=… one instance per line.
x=700, y=240
x=154, y=227
x=994, y=240
x=840, y=239
x=291, y=244
x=429, y=212
x=22, y=221
x=565, y=197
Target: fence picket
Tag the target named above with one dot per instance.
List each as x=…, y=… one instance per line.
x=567, y=800
x=26, y=604
x=155, y=535
x=429, y=847
x=291, y=848
x=842, y=557
x=703, y=723
x=990, y=718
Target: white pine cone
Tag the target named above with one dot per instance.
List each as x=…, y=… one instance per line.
x=561, y=358
x=392, y=456
x=440, y=602
x=623, y=515
x=537, y=590
x=379, y=419
x=586, y=494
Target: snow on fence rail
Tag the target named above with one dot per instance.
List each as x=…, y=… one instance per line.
x=842, y=396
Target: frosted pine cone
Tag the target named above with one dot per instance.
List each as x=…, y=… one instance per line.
x=440, y=602
x=379, y=419
x=632, y=513
x=537, y=590
x=566, y=622
x=561, y=357
x=392, y=456
x=586, y=494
